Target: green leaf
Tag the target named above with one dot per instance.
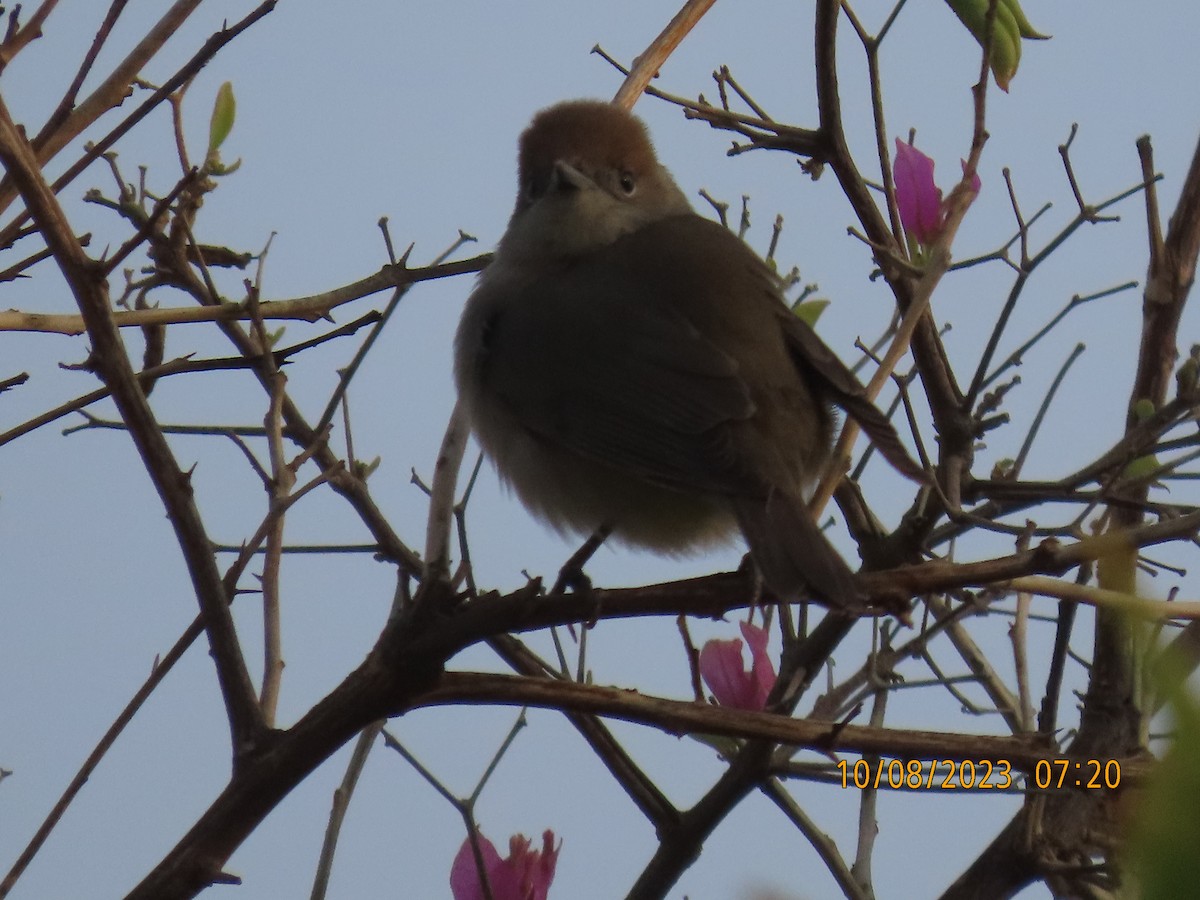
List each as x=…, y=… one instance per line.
x=1008, y=29
x=365, y=470
x=218, y=168
x=1027, y=31
x=223, y=114
x=810, y=310
x=1141, y=468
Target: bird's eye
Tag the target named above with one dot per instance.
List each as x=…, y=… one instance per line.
x=628, y=183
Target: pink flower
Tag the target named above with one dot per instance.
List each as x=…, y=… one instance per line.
x=922, y=212
x=723, y=671
x=525, y=875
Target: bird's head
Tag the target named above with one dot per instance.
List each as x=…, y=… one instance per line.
x=588, y=175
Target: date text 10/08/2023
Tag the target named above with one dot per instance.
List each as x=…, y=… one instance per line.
x=976, y=775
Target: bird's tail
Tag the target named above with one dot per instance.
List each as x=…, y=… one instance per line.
x=793, y=555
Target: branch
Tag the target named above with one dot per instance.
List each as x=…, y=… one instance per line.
x=110, y=94
x=96, y=150
x=87, y=283
x=31, y=31
x=687, y=717
x=1110, y=721
x=402, y=672
x=308, y=309
x=1169, y=279
x=647, y=65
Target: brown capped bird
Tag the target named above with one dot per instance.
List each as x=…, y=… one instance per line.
x=627, y=364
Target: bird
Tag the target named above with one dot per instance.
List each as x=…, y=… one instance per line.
x=631, y=367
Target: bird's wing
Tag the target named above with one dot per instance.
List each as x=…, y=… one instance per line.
x=823, y=365
x=572, y=361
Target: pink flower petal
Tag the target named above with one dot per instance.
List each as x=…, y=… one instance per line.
x=464, y=874
x=525, y=875
x=762, y=670
x=917, y=197
x=723, y=670
x=540, y=867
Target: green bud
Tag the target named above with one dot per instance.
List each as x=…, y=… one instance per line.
x=1143, y=409
x=1141, y=468
x=810, y=310
x=1027, y=30
x=365, y=470
x=223, y=114
x=1008, y=29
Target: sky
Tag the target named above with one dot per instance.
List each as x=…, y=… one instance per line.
x=350, y=112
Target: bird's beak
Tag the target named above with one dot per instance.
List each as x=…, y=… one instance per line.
x=566, y=178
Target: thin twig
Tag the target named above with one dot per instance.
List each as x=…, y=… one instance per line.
x=653, y=57
x=1040, y=416
x=341, y=803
